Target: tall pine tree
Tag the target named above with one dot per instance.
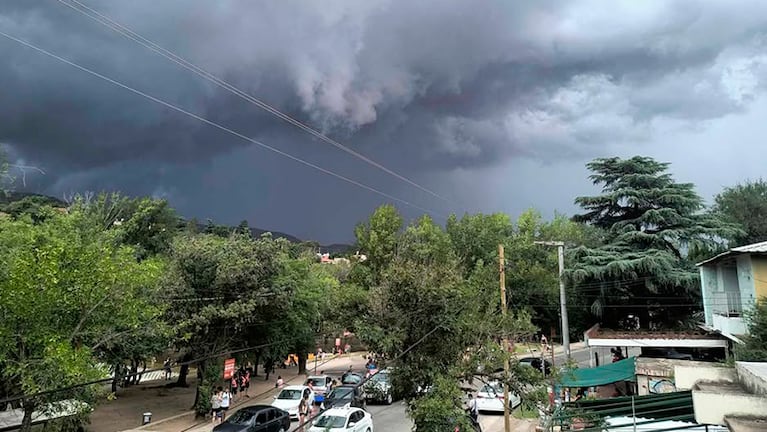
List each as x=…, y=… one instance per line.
x=651, y=222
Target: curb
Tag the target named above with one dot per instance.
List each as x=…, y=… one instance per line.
x=241, y=403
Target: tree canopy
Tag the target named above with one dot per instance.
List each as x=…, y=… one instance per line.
x=650, y=222
x=746, y=205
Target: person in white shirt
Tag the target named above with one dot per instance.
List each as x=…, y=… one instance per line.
x=226, y=400
x=473, y=408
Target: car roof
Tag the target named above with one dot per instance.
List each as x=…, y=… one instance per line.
x=256, y=407
x=295, y=387
x=317, y=376
x=341, y=411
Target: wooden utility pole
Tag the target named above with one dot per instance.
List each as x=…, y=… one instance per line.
x=502, y=271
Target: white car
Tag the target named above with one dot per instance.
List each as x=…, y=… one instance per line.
x=490, y=398
x=343, y=419
x=289, y=398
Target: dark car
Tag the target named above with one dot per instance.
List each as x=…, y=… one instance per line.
x=669, y=353
x=345, y=395
x=537, y=364
x=256, y=418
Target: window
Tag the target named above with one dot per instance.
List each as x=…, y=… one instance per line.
x=355, y=417
x=261, y=418
x=273, y=415
x=290, y=394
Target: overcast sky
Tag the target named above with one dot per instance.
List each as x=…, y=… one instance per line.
x=495, y=105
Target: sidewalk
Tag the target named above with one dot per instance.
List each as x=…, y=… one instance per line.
x=170, y=408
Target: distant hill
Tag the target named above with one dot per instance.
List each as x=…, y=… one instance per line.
x=7, y=198
x=336, y=248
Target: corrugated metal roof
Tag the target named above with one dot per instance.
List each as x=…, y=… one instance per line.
x=756, y=248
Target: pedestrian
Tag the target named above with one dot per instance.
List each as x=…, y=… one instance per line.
x=303, y=410
x=280, y=382
x=473, y=408
x=166, y=367
x=246, y=383
x=226, y=402
x=215, y=405
x=233, y=384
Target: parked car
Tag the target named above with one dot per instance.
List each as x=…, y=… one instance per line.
x=378, y=388
x=321, y=385
x=669, y=353
x=256, y=418
x=345, y=396
x=289, y=398
x=343, y=419
x=537, y=363
x=490, y=398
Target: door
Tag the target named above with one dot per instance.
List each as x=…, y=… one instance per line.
x=261, y=424
x=356, y=417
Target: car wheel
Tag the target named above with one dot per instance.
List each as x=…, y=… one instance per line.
x=389, y=399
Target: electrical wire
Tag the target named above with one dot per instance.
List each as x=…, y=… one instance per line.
x=132, y=35
x=216, y=125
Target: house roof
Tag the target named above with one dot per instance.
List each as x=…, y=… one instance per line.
x=754, y=248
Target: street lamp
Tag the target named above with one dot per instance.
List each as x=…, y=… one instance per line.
x=562, y=296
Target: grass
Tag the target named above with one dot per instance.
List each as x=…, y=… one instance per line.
x=525, y=412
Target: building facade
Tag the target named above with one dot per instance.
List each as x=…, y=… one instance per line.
x=731, y=283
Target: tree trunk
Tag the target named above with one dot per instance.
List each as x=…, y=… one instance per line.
x=255, y=365
x=26, y=421
x=116, y=378
x=200, y=374
x=301, y=361
x=184, y=371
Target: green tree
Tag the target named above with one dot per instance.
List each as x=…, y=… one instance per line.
x=146, y=224
x=754, y=346
x=377, y=238
x=66, y=290
x=476, y=237
x=746, y=205
x=221, y=286
x=650, y=221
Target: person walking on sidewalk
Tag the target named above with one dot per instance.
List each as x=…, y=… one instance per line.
x=226, y=402
x=233, y=383
x=215, y=406
x=303, y=410
x=246, y=383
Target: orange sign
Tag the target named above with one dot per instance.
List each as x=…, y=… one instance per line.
x=228, y=368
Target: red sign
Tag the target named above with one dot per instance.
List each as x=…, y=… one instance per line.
x=228, y=368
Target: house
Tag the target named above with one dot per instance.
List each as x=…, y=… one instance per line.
x=730, y=284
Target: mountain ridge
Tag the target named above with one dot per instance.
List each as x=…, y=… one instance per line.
x=334, y=248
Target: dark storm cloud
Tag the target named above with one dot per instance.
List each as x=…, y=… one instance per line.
x=424, y=86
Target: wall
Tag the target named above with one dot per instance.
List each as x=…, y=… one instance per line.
x=708, y=286
x=712, y=406
x=759, y=265
x=729, y=326
x=746, y=281
x=685, y=376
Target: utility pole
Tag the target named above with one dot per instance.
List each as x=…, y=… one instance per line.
x=562, y=295
x=502, y=271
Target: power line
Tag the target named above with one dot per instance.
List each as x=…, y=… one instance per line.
x=132, y=35
x=214, y=124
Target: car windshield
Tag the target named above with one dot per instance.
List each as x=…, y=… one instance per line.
x=330, y=421
x=341, y=393
x=290, y=394
x=316, y=381
x=491, y=389
x=352, y=379
x=241, y=417
x=381, y=377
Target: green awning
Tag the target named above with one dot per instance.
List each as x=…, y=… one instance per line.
x=623, y=370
